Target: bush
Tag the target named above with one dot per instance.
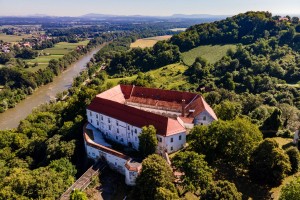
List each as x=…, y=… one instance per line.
x=294, y=158
x=222, y=190
x=269, y=163
x=291, y=191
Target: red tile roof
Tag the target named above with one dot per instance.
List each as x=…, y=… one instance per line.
x=165, y=126
x=112, y=103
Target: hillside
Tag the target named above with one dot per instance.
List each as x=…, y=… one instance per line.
x=212, y=53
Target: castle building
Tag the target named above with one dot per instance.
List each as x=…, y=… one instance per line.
x=119, y=114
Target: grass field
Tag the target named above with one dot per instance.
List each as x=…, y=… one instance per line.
x=167, y=77
x=149, y=42
x=56, y=52
x=212, y=53
x=13, y=38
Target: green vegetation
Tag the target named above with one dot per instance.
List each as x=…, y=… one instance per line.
x=147, y=141
x=155, y=178
x=212, y=53
x=13, y=38
x=56, y=52
x=291, y=191
x=167, y=77
x=269, y=163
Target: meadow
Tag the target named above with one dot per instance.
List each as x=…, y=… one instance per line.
x=56, y=52
x=149, y=42
x=167, y=77
x=13, y=38
x=212, y=53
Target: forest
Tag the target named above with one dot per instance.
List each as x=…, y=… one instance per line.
x=253, y=89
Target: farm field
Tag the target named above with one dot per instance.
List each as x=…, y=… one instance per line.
x=149, y=42
x=56, y=52
x=13, y=38
x=212, y=53
x=167, y=77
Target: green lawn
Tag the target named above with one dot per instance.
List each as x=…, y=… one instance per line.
x=63, y=48
x=167, y=77
x=56, y=52
x=212, y=53
x=13, y=38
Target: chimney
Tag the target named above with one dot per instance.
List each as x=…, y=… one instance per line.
x=182, y=107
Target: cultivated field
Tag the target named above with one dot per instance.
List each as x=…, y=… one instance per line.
x=56, y=52
x=13, y=38
x=212, y=53
x=149, y=42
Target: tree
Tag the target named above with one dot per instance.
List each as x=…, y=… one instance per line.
x=78, y=195
x=295, y=20
x=271, y=124
x=197, y=173
x=231, y=141
x=228, y=110
x=147, y=141
x=221, y=190
x=294, y=158
x=291, y=191
x=165, y=194
x=290, y=116
x=155, y=174
x=269, y=163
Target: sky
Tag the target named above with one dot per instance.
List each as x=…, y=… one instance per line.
x=144, y=7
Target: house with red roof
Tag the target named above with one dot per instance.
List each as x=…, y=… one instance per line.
x=120, y=113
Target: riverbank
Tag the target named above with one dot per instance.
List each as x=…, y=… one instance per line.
x=12, y=117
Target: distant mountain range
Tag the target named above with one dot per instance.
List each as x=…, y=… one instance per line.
x=179, y=16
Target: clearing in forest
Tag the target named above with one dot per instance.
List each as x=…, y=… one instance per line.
x=212, y=53
x=149, y=42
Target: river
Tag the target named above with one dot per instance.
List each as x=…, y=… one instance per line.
x=12, y=117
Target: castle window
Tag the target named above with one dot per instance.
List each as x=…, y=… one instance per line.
x=128, y=127
x=179, y=137
x=117, y=130
x=102, y=117
x=108, y=120
x=91, y=113
x=135, y=131
x=97, y=116
x=91, y=121
x=109, y=127
x=135, y=138
x=122, y=140
x=171, y=148
x=117, y=138
x=97, y=123
x=117, y=123
x=204, y=118
x=171, y=139
x=160, y=140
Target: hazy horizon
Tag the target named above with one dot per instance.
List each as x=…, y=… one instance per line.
x=77, y=8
